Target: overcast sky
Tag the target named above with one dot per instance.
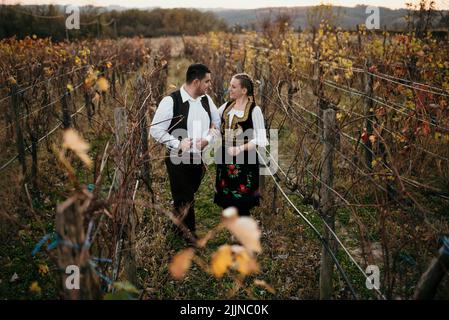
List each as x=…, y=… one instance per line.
x=238, y=4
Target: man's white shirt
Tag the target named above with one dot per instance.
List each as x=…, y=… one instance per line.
x=198, y=122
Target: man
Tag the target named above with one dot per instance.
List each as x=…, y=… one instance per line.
x=182, y=122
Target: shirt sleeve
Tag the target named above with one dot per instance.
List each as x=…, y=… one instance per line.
x=215, y=118
x=161, y=123
x=221, y=109
x=260, y=134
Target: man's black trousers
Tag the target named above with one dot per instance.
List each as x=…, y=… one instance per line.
x=185, y=179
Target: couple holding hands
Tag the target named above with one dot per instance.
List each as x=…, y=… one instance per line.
x=187, y=122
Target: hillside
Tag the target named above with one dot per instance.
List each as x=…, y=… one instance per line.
x=348, y=17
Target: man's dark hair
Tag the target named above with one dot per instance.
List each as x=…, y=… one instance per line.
x=196, y=71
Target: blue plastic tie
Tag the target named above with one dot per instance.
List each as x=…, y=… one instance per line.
x=40, y=243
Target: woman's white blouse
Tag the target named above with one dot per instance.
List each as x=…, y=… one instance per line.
x=260, y=134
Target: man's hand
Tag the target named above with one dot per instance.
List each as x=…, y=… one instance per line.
x=201, y=143
x=185, y=144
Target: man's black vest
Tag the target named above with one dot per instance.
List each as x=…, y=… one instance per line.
x=181, y=113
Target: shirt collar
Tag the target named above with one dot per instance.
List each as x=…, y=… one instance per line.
x=186, y=96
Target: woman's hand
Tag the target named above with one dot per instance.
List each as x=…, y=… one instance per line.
x=201, y=143
x=235, y=151
x=213, y=131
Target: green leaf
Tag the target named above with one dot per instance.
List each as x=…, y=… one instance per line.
x=125, y=286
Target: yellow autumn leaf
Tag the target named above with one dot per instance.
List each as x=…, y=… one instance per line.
x=221, y=260
x=48, y=71
x=244, y=263
x=400, y=138
x=102, y=84
x=181, y=263
x=88, y=82
x=35, y=288
x=376, y=161
x=263, y=284
x=339, y=115
x=73, y=141
x=12, y=80
x=70, y=88
x=43, y=269
x=90, y=78
x=246, y=231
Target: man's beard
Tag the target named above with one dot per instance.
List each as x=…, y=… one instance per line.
x=200, y=92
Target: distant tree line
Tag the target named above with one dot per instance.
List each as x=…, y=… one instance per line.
x=49, y=21
x=421, y=17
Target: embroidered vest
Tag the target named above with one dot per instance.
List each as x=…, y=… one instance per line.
x=242, y=130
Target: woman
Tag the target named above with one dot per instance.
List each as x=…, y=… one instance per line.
x=242, y=130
